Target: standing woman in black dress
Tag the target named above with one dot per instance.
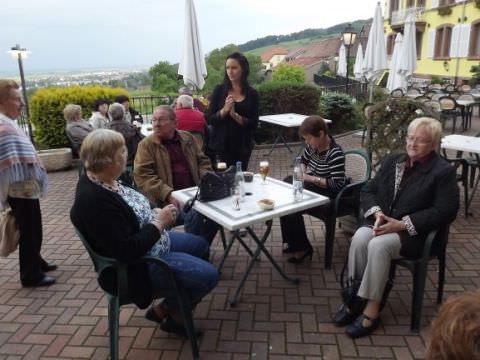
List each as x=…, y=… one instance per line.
x=233, y=114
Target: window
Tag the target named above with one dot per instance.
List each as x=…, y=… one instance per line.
x=474, y=47
x=391, y=43
x=394, y=6
x=442, y=41
x=420, y=3
x=418, y=39
x=410, y=3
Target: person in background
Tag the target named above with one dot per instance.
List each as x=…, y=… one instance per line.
x=169, y=160
x=233, y=114
x=323, y=166
x=197, y=103
x=456, y=330
x=122, y=225
x=131, y=114
x=99, y=118
x=77, y=129
x=130, y=133
x=412, y=193
x=189, y=119
x=23, y=180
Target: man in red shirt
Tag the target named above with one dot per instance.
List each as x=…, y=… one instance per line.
x=189, y=119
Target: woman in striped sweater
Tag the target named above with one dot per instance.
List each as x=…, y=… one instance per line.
x=323, y=165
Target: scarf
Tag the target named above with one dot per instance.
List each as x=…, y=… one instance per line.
x=19, y=160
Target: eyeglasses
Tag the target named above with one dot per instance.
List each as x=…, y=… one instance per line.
x=420, y=141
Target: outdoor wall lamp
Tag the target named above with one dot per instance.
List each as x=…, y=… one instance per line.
x=446, y=65
x=348, y=37
x=18, y=53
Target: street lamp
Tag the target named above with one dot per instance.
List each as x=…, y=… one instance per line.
x=18, y=53
x=348, y=37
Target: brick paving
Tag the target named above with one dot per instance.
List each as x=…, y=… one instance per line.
x=274, y=319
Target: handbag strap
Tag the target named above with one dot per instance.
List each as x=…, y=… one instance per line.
x=189, y=204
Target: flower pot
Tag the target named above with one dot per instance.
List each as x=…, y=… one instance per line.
x=56, y=159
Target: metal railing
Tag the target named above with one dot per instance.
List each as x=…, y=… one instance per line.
x=399, y=16
x=145, y=104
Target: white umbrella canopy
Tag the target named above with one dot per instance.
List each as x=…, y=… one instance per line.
x=342, y=62
x=192, y=64
x=375, y=60
x=408, y=57
x=357, y=68
x=395, y=79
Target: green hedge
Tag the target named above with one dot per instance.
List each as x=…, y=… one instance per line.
x=340, y=109
x=46, y=110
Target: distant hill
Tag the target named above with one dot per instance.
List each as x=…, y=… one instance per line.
x=297, y=39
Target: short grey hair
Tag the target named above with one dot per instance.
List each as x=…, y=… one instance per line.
x=116, y=111
x=184, y=91
x=185, y=101
x=168, y=109
x=99, y=147
x=72, y=112
x=431, y=125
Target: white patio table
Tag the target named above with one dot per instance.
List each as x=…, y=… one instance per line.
x=465, y=143
x=283, y=121
x=223, y=213
x=146, y=129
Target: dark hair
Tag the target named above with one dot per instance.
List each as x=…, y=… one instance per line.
x=121, y=99
x=312, y=125
x=243, y=62
x=99, y=102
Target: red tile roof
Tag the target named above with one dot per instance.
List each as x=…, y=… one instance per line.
x=269, y=53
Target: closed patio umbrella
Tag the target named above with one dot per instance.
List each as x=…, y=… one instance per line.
x=375, y=59
x=357, y=68
x=192, y=64
x=342, y=62
x=395, y=79
x=408, y=57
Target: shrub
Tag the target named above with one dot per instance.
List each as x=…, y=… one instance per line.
x=340, y=109
x=285, y=97
x=287, y=72
x=46, y=110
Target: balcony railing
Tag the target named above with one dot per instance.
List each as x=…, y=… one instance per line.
x=399, y=16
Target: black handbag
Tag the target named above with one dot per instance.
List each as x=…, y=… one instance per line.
x=213, y=186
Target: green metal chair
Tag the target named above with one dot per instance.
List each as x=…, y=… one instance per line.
x=418, y=267
x=115, y=301
x=347, y=201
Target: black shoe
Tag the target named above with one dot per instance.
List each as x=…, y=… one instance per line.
x=287, y=250
x=344, y=316
x=307, y=254
x=170, y=325
x=356, y=329
x=46, y=267
x=153, y=316
x=43, y=281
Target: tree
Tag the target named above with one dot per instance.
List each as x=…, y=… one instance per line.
x=164, y=77
x=287, y=72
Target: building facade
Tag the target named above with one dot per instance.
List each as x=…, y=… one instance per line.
x=448, y=35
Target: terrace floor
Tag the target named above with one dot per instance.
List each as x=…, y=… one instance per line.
x=274, y=319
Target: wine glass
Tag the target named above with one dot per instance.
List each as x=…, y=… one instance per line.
x=263, y=169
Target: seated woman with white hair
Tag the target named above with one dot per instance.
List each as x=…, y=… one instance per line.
x=122, y=225
x=412, y=193
x=77, y=129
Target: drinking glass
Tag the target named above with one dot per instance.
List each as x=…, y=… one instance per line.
x=263, y=169
x=236, y=197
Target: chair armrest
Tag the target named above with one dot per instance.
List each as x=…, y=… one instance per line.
x=340, y=195
x=427, y=247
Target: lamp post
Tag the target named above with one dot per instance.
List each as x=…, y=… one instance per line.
x=348, y=37
x=18, y=53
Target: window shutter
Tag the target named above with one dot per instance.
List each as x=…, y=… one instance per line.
x=464, y=39
x=431, y=43
x=434, y=4
x=454, y=41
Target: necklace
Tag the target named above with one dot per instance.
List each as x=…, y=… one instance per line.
x=116, y=188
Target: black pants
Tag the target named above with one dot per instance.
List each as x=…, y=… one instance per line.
x=293, y=226
x=29, y=222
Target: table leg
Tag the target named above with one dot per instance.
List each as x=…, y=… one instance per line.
x=234, y=235
x=260, y=248
x=279, y=137
x=474, y=190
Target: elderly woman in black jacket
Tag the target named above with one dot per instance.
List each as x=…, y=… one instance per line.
x=412, y=194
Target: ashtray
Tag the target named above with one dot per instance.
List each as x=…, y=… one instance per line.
x=266, y=204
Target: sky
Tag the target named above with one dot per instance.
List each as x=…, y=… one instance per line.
x=74, y=34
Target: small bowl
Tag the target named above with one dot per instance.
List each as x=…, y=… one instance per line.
x=248, y=176
x=266, y=204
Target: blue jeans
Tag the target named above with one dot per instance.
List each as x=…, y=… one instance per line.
x=196, y=223
x=187, y=259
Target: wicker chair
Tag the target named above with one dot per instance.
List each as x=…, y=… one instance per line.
x=449, y=108
x=467, y=111
x=397, y=93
